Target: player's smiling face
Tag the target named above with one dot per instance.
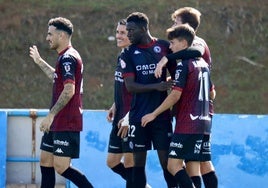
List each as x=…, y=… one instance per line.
x=53, y=37
x=121, y=36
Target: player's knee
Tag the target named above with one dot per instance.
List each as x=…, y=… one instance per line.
x=60, y=167
x=172, y=170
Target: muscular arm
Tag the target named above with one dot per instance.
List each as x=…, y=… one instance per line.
x=171, y=99
x=65, y=96
x=63, y=99
x=45, y=67
x=135, y=87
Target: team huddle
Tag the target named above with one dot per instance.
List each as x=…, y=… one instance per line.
x=156, y=82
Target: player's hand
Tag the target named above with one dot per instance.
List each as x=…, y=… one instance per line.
x=123, y=127
x=147, y=118
x=163, y=86
x=110, y=115
x=46, y=123
x=34, y=54
x=159, y=67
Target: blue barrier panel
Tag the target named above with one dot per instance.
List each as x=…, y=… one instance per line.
x=240, y=153
x=3, y=143
x=239, y=146
x=240, y=150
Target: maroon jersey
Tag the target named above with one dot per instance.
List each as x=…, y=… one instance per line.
x=69, y=69
x=200, y=43
x=193, y=80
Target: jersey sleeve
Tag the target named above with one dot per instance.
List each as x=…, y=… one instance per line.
x=181, y=75
x=68, y=65
x=189, y=53
x=126, y=63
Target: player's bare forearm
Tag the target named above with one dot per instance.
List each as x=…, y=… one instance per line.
x=63, y=99
x=46, y=68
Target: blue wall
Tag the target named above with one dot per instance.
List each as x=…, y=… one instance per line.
x=239, y=146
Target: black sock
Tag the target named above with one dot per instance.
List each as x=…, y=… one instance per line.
x=139, y=177
x=170, y=180
x=197, y=181
x=120, y=169
x=48, y=178
x=183, y=179
x=77, y=178
x=210, y=180
x=129, y=177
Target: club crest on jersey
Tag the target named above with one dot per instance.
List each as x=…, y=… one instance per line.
x=122, y=63
x=67, y=68
x=157, y=49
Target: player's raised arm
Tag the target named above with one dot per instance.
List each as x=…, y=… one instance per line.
x=45, y=67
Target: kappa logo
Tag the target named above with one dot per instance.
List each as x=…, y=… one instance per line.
x=193, y=117
x=137, y=52
x=172, y=153
x=58, y=150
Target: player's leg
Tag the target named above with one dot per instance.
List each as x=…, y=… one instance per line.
x=139, y=143
x=207, y=169
x=161, y=136
x=193, y=170
x=115, y=153
x=48, y=178
x=175, y=167
x=209, y=176
x=115, y=164
x=66, y=147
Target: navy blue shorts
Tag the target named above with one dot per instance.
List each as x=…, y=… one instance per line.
x=66, y=144
x=186, y=146
x=117, y=144
x=156, y=135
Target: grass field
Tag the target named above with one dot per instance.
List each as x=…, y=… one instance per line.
x=236, y=32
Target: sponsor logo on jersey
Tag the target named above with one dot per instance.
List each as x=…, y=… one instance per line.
x=172, y=153
x=58, y=150
x=137, y=52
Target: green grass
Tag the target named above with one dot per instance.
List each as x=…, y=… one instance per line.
x=231, y=29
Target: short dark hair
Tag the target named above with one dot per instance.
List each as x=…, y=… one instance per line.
x=139, y=19
x=122, y=22
x=183, y=31
x=188, y=15
x=62, y=24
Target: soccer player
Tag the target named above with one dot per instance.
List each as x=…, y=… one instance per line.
x=61, y=140
x=119, y=147
x=138, y=62
x=192, y=17
x=192, y=91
